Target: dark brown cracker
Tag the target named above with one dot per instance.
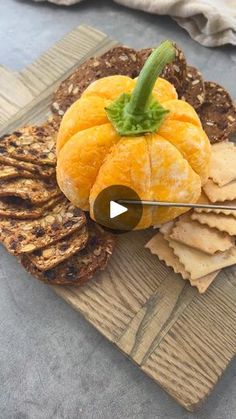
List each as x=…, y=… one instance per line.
x=82, y=266
x=218, y=113
x=193, y=88
x=54, y=120
x=26, y=236
x=143, y=55
x=14, y=207
x=11, y=172
x=44, y=171
x=35, y=144
x=174, y=72
x=177, y=68
x=119, y=60
x=52, y=255
x=36, y=191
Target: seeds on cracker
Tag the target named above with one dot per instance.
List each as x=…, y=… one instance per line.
x=44, y=171
x=14, y=207
x=81, y=266
x=194, y=234
x=175, y=72
x=218, y=113
x=11, y=172
x=118, y=60
x=36, y=191
x=223, y=163
x=25, y=236
x=54, y=121
x=52, y=255
x=35, y=144
x=216, y=193
x=222, y=222
x=193, y=89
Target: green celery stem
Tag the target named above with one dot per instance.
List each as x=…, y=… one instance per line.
x=153, y=67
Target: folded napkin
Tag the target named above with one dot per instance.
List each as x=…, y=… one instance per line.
x=62, y=2
x=209, y=22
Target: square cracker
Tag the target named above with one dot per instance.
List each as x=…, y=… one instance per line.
x=13, y=207
x=223, y=163
x=203, y=199
x=159, y=246
x=203, y=283
x=218, y=211
x=52, y=255
x=36, y=144
x=166, y=228
x=216, y=193
x=36, y=191
x=11, y=172
x=202, y=237
x=224, y=223
x=25, y=236
x=45, y=171
x=198, y=263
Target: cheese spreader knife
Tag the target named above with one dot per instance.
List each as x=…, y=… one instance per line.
x=175, y=204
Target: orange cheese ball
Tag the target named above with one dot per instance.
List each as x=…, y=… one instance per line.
x=170, y=165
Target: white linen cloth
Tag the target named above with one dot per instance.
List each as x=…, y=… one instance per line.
x=210, y=22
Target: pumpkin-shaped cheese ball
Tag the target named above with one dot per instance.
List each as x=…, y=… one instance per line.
x=134, y=133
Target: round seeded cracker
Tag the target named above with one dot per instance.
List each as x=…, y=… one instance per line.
x=193, y=90
x=174, y=72
x=218, y=113
x=118, y=60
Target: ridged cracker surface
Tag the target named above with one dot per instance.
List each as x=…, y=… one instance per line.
x=159, y=246
x=216, y=193
x=199, y=236
x=225, y=223
x=199, y=263
x=223, y=163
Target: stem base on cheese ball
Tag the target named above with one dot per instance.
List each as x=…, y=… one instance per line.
x=140, y=112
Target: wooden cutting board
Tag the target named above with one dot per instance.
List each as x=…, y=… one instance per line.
x=182, y=340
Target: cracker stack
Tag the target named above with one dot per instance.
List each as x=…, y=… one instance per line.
x=202, y=242
x=51, y=237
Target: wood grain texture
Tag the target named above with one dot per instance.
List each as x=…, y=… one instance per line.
x=14, y=94
x=29, y=93
x=181, y=339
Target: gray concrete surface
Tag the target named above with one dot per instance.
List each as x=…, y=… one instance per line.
x=53, y=364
